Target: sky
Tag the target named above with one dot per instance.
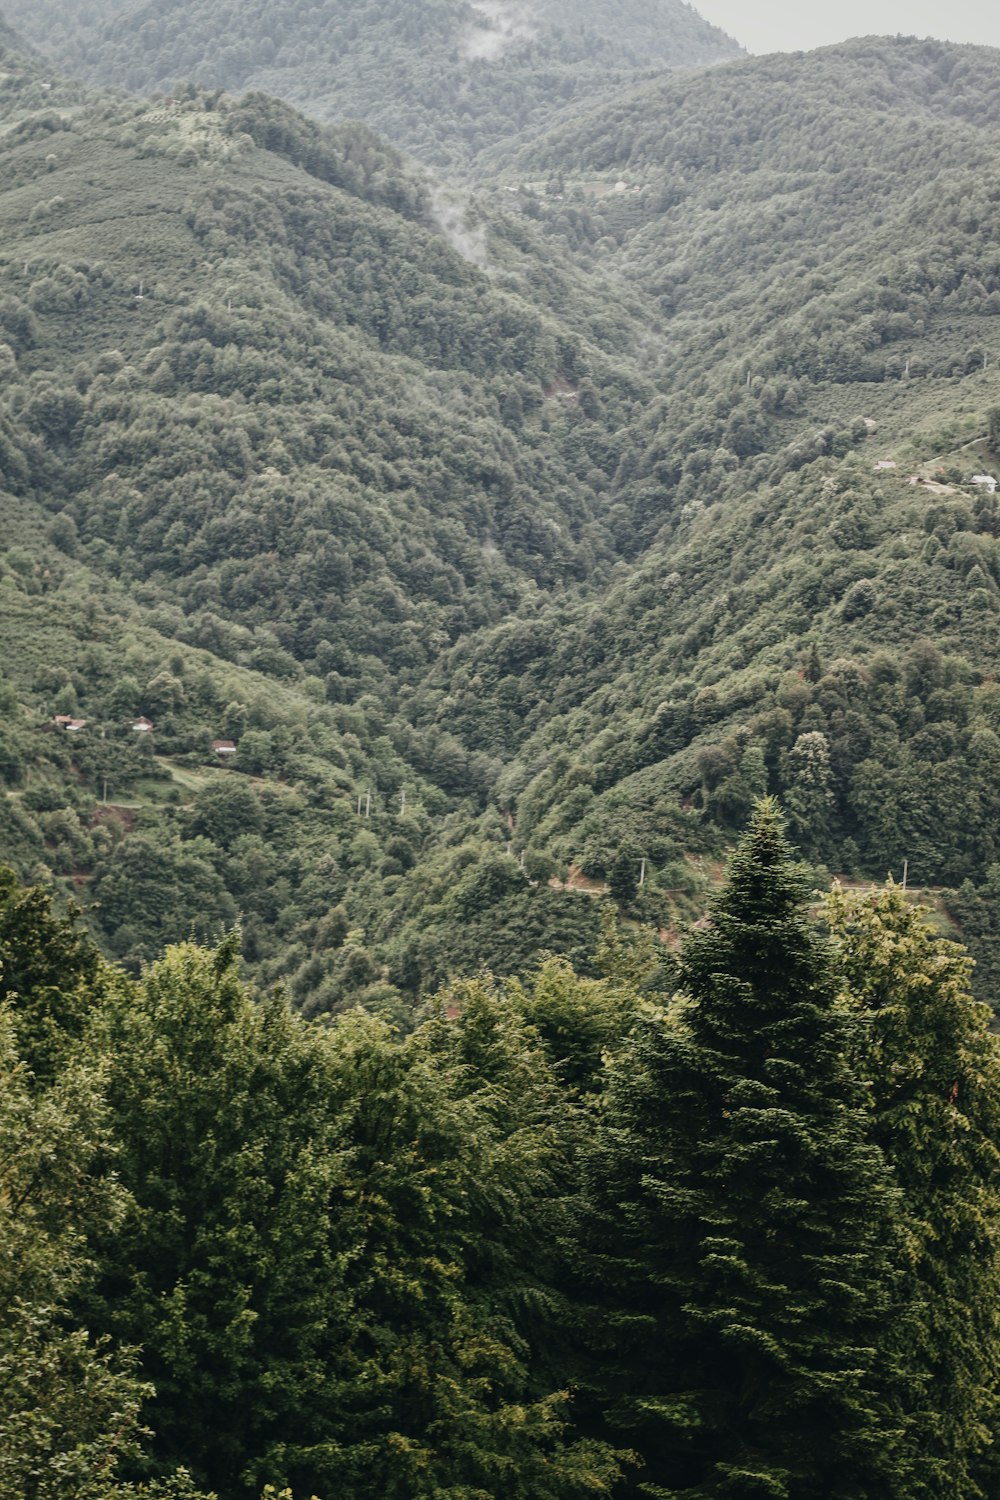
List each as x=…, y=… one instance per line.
x=788, y=25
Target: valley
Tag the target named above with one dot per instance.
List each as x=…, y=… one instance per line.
x=499, y=756
x=562, y=503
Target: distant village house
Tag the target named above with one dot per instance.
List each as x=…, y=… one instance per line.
x=224, y=748
x=986, y=482
x=141, y=725
x=69, y=724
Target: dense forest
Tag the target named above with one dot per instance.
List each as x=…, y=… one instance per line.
x=499, y=758
x=529, y=1249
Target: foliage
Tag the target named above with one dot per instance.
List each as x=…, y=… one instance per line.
x=70, y=1402
x=741, y=1229
x=48, y=976
x=318, y=1259
x=934, y=1067
x=408, y=585
x=562, y=546
x=566, y=1237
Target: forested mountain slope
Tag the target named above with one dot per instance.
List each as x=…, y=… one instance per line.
x=817, y=240
x=779, y=186
x=562, y=548
x=283, y=422
x=445, y=78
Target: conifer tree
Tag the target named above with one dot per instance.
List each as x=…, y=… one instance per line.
x=742, y=1225
x=934, y=1066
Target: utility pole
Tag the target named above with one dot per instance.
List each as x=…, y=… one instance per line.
x=402, y=803
x=105, y=791
x=642, y=874
x=368, y=805
x=906, y=872
x=360, y=800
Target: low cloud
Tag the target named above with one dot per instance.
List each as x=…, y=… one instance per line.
x=506, y=22
x=451, y=216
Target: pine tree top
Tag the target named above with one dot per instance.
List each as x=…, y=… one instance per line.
x=765, y=884
x=759, y=975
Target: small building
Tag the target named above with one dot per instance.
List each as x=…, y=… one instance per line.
x=885, y=463
x=224, y=748
x=985, y=482
x=142, y=725
x=73, y=726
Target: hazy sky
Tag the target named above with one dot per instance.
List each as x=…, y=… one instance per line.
x=787, y=25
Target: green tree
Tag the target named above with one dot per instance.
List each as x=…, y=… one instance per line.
x=733, y=801
x=69, y=1403
x=508, y=1201
x=224, y=1269
x=934, y=1066
x=225, y=810
x=742, y=1228
x=623, y=874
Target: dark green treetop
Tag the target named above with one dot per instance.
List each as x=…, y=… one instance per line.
x=321, y=1258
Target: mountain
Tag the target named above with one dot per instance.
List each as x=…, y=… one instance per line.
x=443, y=78
x=813, y=607
x=266, y=450
x=557, y=522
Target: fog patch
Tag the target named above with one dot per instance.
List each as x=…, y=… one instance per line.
x=451, y=215
x=506, y=22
